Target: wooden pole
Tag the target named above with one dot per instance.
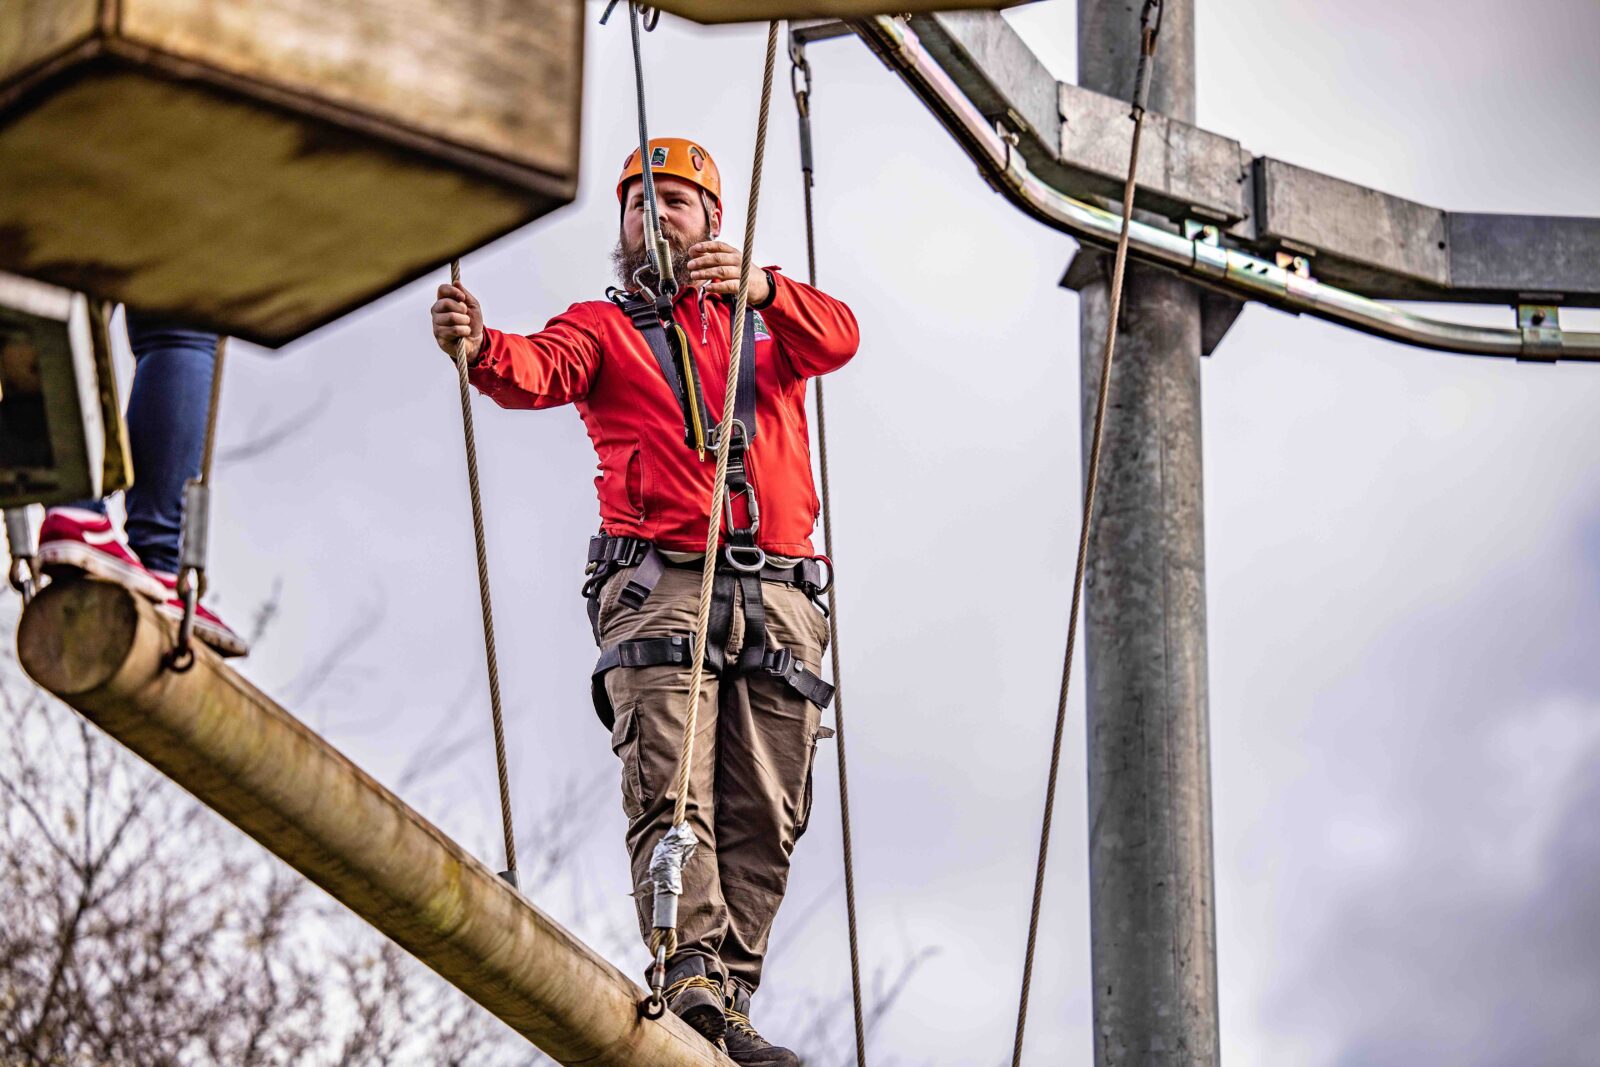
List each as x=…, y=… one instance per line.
x=100, y=648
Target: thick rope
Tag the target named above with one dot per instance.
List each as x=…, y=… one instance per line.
x=680, y=811
x=1092, y=483
x=802, y=103
x=510, y=873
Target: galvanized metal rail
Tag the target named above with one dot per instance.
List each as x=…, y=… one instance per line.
x=1201, y=258
x=100, y=648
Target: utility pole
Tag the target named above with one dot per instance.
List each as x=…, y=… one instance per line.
x=1152, y=909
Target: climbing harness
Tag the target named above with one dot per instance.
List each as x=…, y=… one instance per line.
x=800, y=84
x=22, y=541
x=743, y=556
x=497, y=719
x=653, y=318
x=196, y=527
x=608, y=555
x=1149, y=29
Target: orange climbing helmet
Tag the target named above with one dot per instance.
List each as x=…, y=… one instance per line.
x=677, y=158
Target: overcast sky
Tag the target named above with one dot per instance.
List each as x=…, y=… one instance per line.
x=1403, y=551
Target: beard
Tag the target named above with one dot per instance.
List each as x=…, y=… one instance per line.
x=628, y=259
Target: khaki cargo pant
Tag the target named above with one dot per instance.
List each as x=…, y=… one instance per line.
x=750, y=788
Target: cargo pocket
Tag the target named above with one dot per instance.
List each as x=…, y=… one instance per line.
x=625, y=743
x=823, y=733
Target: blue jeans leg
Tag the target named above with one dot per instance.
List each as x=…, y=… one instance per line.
x=167, y=410
x=166, y=426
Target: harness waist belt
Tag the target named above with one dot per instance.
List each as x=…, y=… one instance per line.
x=610, y=554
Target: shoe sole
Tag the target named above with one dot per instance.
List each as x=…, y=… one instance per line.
x=69, y=559
x=225, y=643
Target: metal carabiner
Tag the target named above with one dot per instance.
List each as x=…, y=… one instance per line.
x=655, y=1005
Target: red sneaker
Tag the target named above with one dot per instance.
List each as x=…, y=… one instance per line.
x=207, y=627
x=75, y=541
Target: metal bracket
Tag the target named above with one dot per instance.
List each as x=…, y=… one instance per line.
x=1299, y=266
x=1541, y=333
x=1204, y=232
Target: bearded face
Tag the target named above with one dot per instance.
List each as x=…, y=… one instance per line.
x=627, y=259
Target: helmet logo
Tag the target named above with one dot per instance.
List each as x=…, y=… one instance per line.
x=658, y=156
x=697, y=157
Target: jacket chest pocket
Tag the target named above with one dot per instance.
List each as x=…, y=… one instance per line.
x=633, y=480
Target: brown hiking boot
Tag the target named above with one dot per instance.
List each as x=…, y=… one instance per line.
x=696, y=998
x=745, y=1045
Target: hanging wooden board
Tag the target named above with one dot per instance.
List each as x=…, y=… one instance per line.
x=710, y=11
x=52, y=437
x=261, y=167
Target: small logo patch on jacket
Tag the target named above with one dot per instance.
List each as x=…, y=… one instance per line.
x=760, y=325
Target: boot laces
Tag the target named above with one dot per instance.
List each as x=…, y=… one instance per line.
x=739, y=1022
x=693, y=981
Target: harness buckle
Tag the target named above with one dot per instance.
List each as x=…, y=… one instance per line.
x=777, y=661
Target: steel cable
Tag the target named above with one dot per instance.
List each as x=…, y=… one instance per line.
x=497, y=717
x=1147, y=53
x=802, y=103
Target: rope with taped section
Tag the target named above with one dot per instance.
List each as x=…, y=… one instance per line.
x=1149, y=27
x=677, y=846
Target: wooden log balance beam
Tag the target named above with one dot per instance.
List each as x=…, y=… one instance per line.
x=100, y=648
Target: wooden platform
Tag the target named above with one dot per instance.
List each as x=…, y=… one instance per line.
x=261, y=167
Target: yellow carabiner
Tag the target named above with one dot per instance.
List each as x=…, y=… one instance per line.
x=691, y=388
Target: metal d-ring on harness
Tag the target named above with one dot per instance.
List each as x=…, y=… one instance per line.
x=196, y=528
x=1149, y=28
x=800, y=84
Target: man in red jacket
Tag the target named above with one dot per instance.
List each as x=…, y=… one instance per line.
x=647, y=371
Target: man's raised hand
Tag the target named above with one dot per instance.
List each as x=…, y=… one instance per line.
x=717, y=264
x=456, y=314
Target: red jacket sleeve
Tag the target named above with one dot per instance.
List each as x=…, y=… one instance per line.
x=815, y=332
x=555, y=366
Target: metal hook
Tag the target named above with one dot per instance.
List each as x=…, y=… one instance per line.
x=655, y=1005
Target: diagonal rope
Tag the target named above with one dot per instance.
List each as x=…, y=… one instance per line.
x=680, y=811
x=802, y=104
x=498, y=719
x=1147, y=53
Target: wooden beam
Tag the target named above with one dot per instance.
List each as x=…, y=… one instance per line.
x=100, y=649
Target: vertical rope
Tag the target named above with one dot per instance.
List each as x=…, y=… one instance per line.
x=680, y=811
x=802, y=103
x=1147, y=49
x=209, y=449
x=498, y=719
